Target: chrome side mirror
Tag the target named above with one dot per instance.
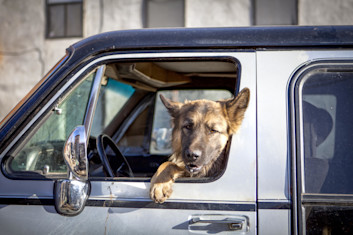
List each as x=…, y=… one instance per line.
x=71, y=194
x=75, y=153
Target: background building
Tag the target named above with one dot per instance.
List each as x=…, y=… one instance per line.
x=35, y=33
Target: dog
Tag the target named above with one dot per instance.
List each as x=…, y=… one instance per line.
x=201, y=130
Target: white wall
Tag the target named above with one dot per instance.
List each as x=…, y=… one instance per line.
x=21, y=55
x=200, y=13
x=325, y=12
x=26, y=56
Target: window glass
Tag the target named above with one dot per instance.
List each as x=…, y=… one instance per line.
x=164, y=13
x=43, y=150
x=326, y=99
x=329, y=220
x=327, y=108
x=135, y=140
x=275, y=12
x=112, y=97
x=74, y=20
x=56, y=22
x=162, y=129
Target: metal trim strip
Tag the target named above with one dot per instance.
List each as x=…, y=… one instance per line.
x=152, y=205
x=139, y=204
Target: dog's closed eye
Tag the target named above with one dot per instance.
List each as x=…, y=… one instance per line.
x=188, y=126
x=212, y=129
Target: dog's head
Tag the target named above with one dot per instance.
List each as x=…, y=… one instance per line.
x=202, y=127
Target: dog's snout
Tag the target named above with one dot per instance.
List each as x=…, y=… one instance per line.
x=193, y=155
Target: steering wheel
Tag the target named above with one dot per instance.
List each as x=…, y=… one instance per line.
x=114, y=166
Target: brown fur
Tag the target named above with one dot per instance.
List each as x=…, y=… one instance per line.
x=201, y=130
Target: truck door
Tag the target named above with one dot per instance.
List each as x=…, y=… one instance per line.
x=128, y=111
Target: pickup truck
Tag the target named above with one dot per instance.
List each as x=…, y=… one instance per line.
x=78, y=152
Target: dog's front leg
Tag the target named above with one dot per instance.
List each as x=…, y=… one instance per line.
x=162, y=181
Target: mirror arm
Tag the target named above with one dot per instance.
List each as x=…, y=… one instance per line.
x=93, y=100
x=70, y=195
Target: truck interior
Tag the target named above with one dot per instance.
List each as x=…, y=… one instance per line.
x=128, y=112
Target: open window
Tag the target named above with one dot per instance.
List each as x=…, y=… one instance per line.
x=324, y=110
x=138, y=123
x=128, y=110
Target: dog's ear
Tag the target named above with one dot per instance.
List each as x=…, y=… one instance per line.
x=235, y=109
x=173, y=107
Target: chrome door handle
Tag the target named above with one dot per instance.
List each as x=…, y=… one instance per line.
x=234, y=222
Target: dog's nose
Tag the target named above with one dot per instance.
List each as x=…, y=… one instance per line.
x=193, y=155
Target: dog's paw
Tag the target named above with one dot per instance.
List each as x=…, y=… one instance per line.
x=160, y=192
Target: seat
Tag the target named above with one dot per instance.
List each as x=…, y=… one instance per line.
x=318, y=124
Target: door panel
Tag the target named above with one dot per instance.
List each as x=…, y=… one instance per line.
x=232, y=194
x=123, y=206
x=108, y=220
x=275, y=71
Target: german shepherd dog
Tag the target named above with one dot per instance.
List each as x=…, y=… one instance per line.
x=201, y=130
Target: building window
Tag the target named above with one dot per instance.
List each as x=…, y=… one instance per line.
x=275, y=12
x=164, y=13
x=64, y=18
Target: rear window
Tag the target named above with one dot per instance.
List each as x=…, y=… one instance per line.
x=324, y=119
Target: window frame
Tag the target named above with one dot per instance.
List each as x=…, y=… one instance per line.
x=65, y=4
x=300, y=198
x=81, y=71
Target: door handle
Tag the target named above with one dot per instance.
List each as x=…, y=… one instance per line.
x=232, y=222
